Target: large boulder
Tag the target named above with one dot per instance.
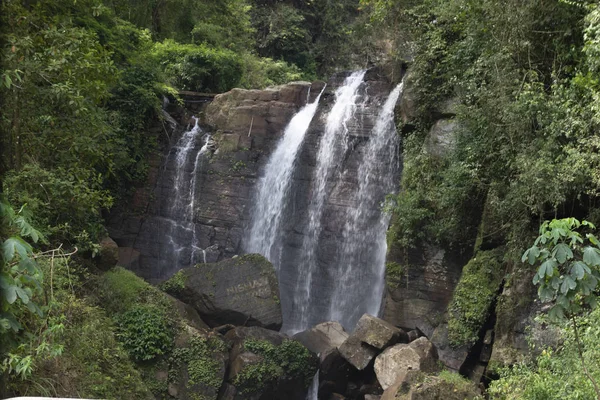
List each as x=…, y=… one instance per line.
x=238, y=291
x=370, y=337
x=267, y=365
x=419, y=355
x=415, y=385
x=441, y=138
x=323, y=337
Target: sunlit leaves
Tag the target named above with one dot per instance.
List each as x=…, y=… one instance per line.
x=568, y=265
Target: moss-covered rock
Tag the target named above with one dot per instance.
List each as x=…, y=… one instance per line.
x=197, y=366
x=239, y=291
x=473, y=297
x=268, y=365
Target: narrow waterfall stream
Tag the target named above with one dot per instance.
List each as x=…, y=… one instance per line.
x=178, y=215
x=274, y=186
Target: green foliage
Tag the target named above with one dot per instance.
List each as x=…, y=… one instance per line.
x=119, y=289
x=174, y=284
x=394, y=273
x=199, y=67
x=66, y=203
x=72, y=349
x=473, y=297
x=568, y=270
x=199, y=359
x=555, y=374
x=523, y=77
x=145, y=332
x=289, y=359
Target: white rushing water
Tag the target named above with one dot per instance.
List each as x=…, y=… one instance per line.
x=180, y=228
x=334, y=138
x=313, y=390
x=274, y=186
x=359, y=274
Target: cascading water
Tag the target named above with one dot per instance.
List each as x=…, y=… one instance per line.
x=181, y=249
x=332, y=142
x=274, y=186
x=359, y=273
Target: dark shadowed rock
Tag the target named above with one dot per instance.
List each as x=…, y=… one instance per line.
x=419, y=299
x=238, y=291
x=334, y=372
x=108, y=256
x=452, y=357
x=413, y=335
x=267, y=365
x=188, y=314
x=323, y=337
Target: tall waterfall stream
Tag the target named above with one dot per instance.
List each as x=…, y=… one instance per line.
x=356, y=278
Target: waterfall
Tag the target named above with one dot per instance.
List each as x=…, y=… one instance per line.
x=359, y=274
x=274, y=186
x=313, y=390
x=178, y=215
x=333, y=139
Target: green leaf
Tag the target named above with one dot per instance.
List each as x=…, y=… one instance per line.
x=591, y=256
x=15, y=244
x=547, y=268
x=578, y=270
x=22, y=295
x=562, y=252
x=531, y=255
x=568, y=284
x=557, y=313
x=593, y=239
x=545, y=294
x=10, y=294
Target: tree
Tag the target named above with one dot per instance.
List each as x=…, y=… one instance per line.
x=568, y=272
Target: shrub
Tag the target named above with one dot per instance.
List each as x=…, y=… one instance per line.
x=289, y=359
x=199, y=67
x=145, y=332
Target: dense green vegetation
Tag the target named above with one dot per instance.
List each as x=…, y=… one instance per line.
x=556, y=374
x=519, y=80
x=82, y=81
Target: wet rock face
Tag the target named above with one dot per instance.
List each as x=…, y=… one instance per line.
x=239, y=291
x=421, y=296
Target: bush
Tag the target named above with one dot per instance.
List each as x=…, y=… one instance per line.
x=145, y=332
x=65, y=203
x=289, y=359
x=199, y=67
